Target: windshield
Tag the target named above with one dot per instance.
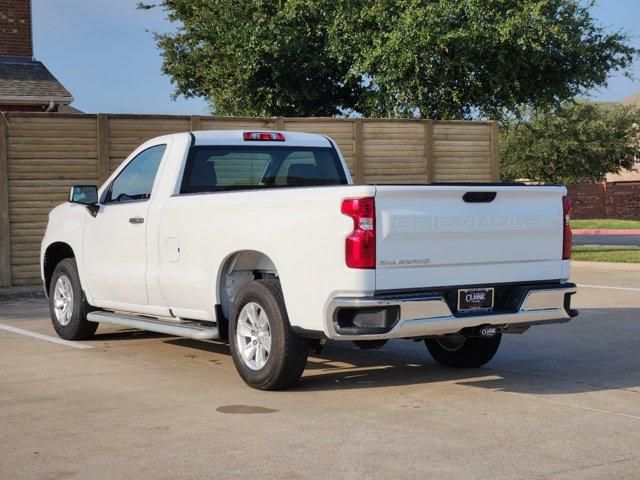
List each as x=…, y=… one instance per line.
x=221, y=168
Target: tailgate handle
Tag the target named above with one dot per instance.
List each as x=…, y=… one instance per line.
x=479, y=197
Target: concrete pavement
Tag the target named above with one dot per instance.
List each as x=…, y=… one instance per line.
x=559, y=402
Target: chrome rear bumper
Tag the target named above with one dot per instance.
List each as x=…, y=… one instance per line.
x=430, y=315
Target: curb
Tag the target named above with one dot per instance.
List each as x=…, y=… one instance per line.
x=624, y=267
x=11, y=294
x=598, y=231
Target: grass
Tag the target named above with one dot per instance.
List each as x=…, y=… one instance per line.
x=593, y=253
x=604, y=223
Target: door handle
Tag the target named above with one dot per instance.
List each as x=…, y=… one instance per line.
x=479, y=197
x=136, y=220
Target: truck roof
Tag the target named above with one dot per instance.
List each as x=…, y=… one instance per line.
x=235, y=137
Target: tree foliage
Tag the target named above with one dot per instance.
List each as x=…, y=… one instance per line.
x=257, y=57
x=577, y=142
x=447, y=59
x=442, y=59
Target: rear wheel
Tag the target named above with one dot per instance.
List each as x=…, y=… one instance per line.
x=67, y=304
x=459, y=351
x=266, y=352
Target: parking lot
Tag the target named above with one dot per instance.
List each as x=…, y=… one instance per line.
x=558, y=402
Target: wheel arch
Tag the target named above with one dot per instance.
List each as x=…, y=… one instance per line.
x=54, y=254
x=238, y=269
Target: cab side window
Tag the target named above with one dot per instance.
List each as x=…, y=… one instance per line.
x=135, y=181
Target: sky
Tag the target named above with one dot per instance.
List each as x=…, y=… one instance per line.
x=104, y=53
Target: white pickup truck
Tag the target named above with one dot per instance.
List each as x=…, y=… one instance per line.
x=262, y=239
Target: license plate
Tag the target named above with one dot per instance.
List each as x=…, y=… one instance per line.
x=475, y=299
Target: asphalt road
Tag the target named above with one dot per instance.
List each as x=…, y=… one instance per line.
x=633, y=240
x=559, y=402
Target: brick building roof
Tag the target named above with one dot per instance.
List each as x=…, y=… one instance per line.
x=632, y=100
x=24, y=79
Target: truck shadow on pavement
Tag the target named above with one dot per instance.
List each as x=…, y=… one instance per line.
x=126, y=334
x=581, y=356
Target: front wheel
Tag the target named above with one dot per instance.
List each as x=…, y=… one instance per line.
x=67, y=304
x=266, y=352
x=459, y=351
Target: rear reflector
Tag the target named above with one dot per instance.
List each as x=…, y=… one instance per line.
x=263, y=137
x=360, y=245
x=567, y=235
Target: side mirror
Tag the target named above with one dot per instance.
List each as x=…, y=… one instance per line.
x=85, y=195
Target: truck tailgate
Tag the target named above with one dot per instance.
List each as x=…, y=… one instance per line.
x=429, y=236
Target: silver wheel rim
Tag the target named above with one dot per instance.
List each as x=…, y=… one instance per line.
x=452, y=343
x=63, y=300
x=253, y=336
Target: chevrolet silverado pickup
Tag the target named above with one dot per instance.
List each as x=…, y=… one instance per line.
x=262, y=239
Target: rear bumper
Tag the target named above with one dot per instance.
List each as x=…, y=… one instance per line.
x=425, y=315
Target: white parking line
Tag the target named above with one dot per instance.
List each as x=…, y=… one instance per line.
x=40, y=336
x=629, y=289
x=573, y=405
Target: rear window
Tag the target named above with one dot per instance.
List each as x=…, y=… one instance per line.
x=220, y=168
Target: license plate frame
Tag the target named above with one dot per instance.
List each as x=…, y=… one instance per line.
x=479, y=299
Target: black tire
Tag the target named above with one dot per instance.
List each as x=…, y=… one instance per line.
x=472, y=353
x=78, y=328
x=287, y=357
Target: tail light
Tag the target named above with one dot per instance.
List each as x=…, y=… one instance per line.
x=360, y=245
x=567, y=235
x=263, y=137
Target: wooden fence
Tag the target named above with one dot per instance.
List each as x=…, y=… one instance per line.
x=42, y=155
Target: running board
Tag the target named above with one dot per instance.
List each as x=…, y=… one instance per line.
x=194, y=331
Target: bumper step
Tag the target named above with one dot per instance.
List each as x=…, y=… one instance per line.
x=191, y=330
x=429, y=314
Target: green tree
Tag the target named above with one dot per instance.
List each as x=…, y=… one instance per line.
x=257, y=57
x=456, y=59
x=441, y=59
x=575, y=142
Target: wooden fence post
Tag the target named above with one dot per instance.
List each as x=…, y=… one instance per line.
x=5, y=235
x=102, y=132
x=358, y=151
x=279, y=123
x=195, y=123
x=495, y=153
x=428, y=151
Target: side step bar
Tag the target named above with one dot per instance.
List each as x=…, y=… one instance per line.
x=194, y=330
